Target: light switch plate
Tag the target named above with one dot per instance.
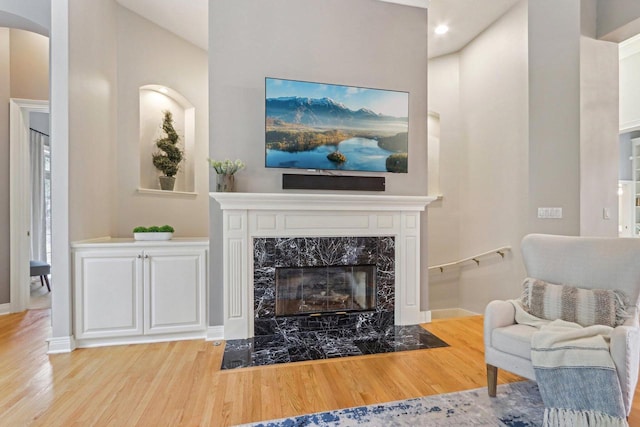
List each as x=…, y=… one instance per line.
x=549, y=213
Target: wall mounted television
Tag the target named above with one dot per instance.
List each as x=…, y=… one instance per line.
x=334, y=127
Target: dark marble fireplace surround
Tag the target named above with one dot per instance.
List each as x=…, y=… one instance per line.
x=298, y=338
x=270, y=253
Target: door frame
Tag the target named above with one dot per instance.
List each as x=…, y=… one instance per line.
x=19, y=197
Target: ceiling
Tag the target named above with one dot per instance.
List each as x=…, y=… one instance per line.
x=465, y=18
x=188, y=19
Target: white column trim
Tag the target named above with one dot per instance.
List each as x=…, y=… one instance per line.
x=61, y=296
x=5, y=308
x=215, y=333
x=61, y=345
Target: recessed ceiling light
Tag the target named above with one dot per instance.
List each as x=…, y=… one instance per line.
x=441, y=29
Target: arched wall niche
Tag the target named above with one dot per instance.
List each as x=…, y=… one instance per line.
x=433, y=154
x=154, y=100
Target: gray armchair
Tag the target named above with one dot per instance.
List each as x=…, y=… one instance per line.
x=585, y=262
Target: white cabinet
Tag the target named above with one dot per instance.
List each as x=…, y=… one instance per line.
x=108, y=293
x=127, y=291
x=173, y=290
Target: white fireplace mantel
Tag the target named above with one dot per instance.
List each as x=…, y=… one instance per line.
x=324, y=202
x=249, y=215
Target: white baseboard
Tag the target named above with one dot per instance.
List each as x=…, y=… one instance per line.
x=215, y=333
x=61, y=345
x=447, y=313
x=5, y=308
x=139, y=339
x=425, y=316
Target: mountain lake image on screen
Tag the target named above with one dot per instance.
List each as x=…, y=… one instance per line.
x=334, y=127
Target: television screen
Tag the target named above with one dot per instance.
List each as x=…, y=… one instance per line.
x=334, y=127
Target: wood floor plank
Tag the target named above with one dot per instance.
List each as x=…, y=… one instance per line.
x=181, y=384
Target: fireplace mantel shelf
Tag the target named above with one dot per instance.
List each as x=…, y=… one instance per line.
x=322, y=202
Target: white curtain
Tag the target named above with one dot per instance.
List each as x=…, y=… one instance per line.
x=38, y=207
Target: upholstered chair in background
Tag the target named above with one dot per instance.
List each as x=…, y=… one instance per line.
x=583, y=262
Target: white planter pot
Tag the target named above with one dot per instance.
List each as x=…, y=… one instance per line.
x=153, y=236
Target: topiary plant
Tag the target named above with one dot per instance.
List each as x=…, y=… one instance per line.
x=169, y=158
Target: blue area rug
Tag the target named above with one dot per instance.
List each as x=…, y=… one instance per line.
x=516, y=405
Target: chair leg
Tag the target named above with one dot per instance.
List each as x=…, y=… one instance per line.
x=492, y=380
x=46, y=279
x=41, y=281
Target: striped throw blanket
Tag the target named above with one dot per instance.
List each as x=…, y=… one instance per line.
x=575, y=373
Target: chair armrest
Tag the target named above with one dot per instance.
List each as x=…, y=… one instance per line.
x=625, y=352
x=497, y=315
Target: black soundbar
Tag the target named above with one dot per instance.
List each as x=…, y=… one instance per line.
x=332, y=182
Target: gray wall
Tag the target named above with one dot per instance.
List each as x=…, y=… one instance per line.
x=357, y=42
x=443, y=230
x=148, y=54
x=31, y=15
x=494, y=173
x=618, y=19
x=39, y=122
x=599, y=145
x=534, y=131
x=92, y=117
x=554, y=114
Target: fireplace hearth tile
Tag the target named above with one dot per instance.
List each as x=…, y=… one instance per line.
x=270, y=357
x=374, y=346
x=295, y=346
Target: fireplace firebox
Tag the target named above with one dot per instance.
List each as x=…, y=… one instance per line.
x=340, y=284
x=318, y=290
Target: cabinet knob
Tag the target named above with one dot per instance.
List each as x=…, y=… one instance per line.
x=139, y=256
x=146, y=256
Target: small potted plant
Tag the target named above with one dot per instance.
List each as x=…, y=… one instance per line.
x=225, y=171
x=168, y=159
x=154, y=232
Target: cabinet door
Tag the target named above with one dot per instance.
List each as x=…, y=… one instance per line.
x=174, y=290
x=108, y=293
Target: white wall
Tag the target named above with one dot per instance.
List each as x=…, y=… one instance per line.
x=360, y=42
x=148, y=54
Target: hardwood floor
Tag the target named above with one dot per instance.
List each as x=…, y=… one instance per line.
x=180, y=383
